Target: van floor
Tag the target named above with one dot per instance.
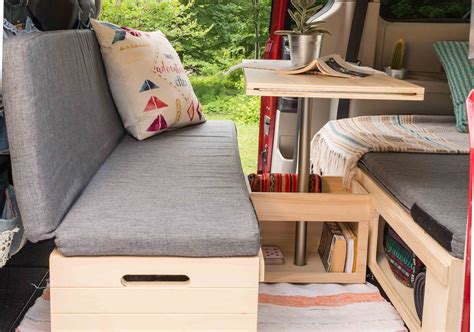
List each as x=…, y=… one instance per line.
x=22, y=281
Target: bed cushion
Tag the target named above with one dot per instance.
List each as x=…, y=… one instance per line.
x=433, y=187
x=181, y=193
x=62, y=122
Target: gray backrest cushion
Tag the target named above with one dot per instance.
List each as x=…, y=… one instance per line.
x=61, y=119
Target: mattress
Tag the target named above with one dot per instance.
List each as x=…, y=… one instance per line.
x=432, y=187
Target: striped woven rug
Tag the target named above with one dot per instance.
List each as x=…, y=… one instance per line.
x=325, y=307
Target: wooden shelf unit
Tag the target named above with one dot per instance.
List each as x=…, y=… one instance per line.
x=398, y=293
x=277, y=213
x=444, y=273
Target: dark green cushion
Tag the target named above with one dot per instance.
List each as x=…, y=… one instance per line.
x=453, y=55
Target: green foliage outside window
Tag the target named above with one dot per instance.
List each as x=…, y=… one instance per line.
x=210, y=36
x=425, y=9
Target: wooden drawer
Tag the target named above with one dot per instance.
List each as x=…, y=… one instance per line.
x=130, y=293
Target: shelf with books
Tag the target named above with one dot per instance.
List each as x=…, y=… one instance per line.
x=277, y=213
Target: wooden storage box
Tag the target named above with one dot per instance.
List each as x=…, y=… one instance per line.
x=278, y=212
x=444, y=273
x=154, y=293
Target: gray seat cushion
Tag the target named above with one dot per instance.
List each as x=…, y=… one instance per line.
x=433, y=187
x=61, y=119
x=181, y=193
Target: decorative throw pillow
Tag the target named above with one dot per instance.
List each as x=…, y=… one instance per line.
x=460, y=72
x=147, y=79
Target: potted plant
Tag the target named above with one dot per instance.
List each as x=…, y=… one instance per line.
x=306, y=37
x=396, y=67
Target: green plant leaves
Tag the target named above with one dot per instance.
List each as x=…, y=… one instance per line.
x=303, y=12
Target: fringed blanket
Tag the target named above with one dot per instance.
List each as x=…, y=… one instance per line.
x=338, y=146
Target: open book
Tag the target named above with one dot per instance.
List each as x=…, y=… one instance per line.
x=331, y=65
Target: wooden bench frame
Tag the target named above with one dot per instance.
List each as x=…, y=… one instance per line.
x=91, y=293
x=444, y=273
x=365, y=203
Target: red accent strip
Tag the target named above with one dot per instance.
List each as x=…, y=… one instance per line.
x=465, y=327
x=268, y=105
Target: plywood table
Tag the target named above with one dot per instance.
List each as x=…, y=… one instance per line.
x=307, y=86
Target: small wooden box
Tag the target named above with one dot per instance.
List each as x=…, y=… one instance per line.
x=154, y=293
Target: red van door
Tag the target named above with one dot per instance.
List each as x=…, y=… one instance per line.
x=268, y=105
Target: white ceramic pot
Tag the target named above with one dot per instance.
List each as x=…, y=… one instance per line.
x=396, y=73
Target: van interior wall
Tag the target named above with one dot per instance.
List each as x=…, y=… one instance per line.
x=422, y=63
x=378, y=39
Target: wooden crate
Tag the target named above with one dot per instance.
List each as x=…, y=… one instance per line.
x=186, y=294
x=278, y=212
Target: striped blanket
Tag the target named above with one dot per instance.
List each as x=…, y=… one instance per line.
x=338, y=146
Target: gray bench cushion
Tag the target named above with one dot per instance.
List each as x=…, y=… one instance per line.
x=61, y=119
x=180, y=193
x=433, y=187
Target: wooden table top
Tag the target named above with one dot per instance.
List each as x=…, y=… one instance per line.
x=377, y=87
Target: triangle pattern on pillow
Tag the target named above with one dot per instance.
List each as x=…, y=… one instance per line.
x=191, y=111
x=154, y=103
x=158, y=124
x=119, y=36
x=199, y=111
x=148, y=85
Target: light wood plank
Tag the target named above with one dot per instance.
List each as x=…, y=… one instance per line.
x=147, y=300
x=435, y=257
x=282, y=234
x=379, y=87
x=107, y=271
x=443, y=304
x=312, y=272
x=155, y=322
x=311, y=207
x=443, y=293
x=332, y=184
x=400, y=295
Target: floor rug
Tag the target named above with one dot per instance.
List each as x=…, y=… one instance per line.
x=289, y=307
x=37, y=318
x=325, y=307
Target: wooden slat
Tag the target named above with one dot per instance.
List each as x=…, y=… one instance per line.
x=400, y=295
x=332, y=184
x=378, y=87
x=146, y=300
x=311, y=207
x=435, y=257
x=155, y=322
x=107, y=272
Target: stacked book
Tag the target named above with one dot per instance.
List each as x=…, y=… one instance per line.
x=338, y=247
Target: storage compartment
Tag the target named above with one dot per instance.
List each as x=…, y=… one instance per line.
x=127, y=293
x=405, y=294
x=278, y=213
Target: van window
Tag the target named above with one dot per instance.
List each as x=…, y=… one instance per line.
x=425, y=10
